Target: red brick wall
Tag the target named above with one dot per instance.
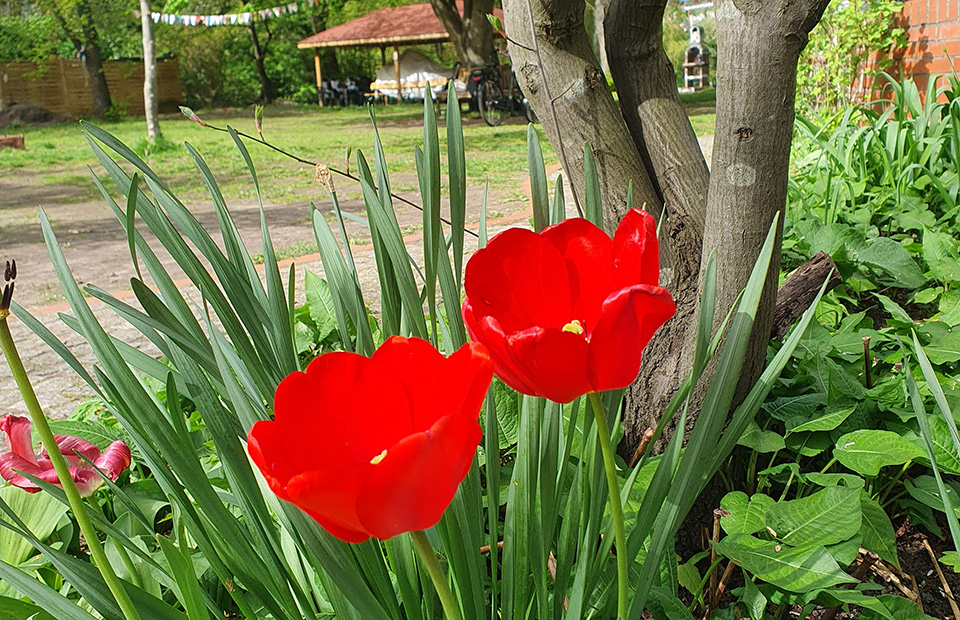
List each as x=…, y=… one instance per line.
x=933, y=32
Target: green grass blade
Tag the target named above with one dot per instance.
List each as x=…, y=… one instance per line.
x=457, y=173
x=593, y=207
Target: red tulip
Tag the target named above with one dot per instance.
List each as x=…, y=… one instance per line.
x=567, y=311
x=375, y=446
x=21, y=457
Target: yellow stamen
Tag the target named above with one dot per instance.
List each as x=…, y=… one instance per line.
x=574, y=327
x=376, y=460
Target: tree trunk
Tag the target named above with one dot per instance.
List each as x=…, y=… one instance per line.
x=88, y=50
x=149, y=74
x=259, y=55
x=470, y=33
x=653, y=145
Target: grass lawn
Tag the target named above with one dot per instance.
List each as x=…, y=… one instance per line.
x=59, y=155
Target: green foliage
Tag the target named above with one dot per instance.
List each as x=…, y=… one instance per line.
x=848, y=35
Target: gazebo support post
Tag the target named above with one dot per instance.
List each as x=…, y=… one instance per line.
x=316, y=69
x=396, y=70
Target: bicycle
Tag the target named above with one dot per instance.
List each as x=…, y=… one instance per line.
x=491, y=102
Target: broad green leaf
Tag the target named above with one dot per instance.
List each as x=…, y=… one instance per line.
x=745, y=515
x=877, y=531
x=949, y=307
x=94, y=431
x=944, y=450
x=826, y=517
x=796, y=570
x=39, y=511
x=808, y=444
x=830, y=420
x=845, y=552
x=754, y=600
x=939, y=252
x=760, y=440
x=899, y=607
x=895, y=310
x=951, y=559
x=688, y=575
x=866, y=451
x=830, y=480
x=795, y=407
x=924, y=489
x=890, y=257
x=945, y=350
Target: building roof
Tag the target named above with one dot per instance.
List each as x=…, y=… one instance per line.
x=403, y=25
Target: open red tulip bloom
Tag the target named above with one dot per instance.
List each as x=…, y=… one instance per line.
x=567, y=311
x=375, y=446
x=21, y=458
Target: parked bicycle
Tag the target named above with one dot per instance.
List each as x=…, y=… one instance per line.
x=486, y=86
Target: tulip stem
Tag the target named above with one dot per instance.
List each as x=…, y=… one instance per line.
x=429, y=558
x=616, y=508
x=63, y=472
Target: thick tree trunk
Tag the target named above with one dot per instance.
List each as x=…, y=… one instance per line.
x=653, y=145
x=259, y=58
x=149, y=74
x=662, y=132
x=470, y=33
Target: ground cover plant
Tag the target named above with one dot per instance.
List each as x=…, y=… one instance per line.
x=196, y=530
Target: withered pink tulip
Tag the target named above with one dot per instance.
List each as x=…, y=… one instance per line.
x=22, y=458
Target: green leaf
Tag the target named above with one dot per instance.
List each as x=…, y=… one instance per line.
x=830, y=480
x=795, y=407
x=94, y=431
x=899, y=607
x=945, y=350
x=833, y=418
x=320, y=304
x=796, y=570
x=943, y=449
x=951, y=559
x=745, y=515
x=866, y=451
x=508, y=413
x=939, y=252
x=924, y=489
x=895, y=310
x=888, y=256
x=877, y=531
x=754, y=600
x=688, y=575
x=539, y=196
x=760, y=440
x=13, y=609
x=826, y=517
x=39, y=511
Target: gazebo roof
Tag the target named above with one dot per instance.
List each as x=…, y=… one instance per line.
x=403, y=25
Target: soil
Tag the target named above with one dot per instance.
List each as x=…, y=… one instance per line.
x=94, y=242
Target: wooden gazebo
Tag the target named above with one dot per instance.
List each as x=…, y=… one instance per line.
x=414, y=24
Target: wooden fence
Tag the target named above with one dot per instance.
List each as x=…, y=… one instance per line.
x=63, y=86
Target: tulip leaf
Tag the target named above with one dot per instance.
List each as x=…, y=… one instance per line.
x=13, y=609
x=866, y=451
x=40, y=512
x=826, y=517
x=539, y=196
x=592, y=204
x=457, y=171
x=794, y=569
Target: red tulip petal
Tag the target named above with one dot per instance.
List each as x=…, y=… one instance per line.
x=521, y=279
x=588, y=252
x=11, y=463
x=437, y=386
x=265, y=443
x=346, y=408
x=114, y=460
x=331, y=494
x=555, y=361
x=19, y=441
x=70, y=445
x=87, y=480
x=415, y=482
x=636, y=258
x=343, y=533
x=505, y=366
x=628, y=321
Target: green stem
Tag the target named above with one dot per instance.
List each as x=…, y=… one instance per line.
x=121, y=550
x=616, y=508
x=429, y=558
x=63, y=472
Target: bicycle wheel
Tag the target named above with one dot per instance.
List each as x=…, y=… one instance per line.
x=491, y=104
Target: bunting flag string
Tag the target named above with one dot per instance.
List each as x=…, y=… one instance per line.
x=230, y=19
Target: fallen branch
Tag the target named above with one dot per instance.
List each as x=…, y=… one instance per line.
x=800, y=289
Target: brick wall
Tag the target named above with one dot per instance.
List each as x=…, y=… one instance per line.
x=933, y=48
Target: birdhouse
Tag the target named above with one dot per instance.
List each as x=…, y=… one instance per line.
x=696, y=62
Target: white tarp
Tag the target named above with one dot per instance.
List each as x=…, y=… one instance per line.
x=416, y=71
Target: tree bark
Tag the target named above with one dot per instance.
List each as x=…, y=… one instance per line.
x=470, y=33
x=259, y=58
x=149, y=74
x=561, y=77
x=796, y=294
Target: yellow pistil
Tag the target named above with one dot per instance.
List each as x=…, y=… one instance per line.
x=376, y=460
x=574, y=327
